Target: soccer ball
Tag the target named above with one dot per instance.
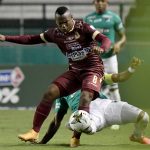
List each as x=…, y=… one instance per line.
x=79, y=120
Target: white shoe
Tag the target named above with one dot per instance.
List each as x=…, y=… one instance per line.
x=115, y=127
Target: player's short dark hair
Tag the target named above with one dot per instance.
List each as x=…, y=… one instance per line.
x=61, y=10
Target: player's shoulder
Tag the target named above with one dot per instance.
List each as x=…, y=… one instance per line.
x=90, y=15
x=113, y=14
x=110, y=12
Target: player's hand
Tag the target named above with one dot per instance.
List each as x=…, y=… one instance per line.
x=116, y=48
x=2, y=37
x=97, y=50
x=135, y=62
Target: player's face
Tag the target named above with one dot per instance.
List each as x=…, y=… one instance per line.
x=65, y=22
x=100, y=5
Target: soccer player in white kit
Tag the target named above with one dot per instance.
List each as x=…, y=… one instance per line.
x=105, y=112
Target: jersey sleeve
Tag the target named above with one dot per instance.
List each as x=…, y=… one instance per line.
x=90, y=30
x=48, y=36
x=118, y=23
x=108, y=78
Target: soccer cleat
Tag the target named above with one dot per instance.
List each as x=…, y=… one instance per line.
x=74, y=142
x=115, y=127
x=30, y=136
x=142, y=139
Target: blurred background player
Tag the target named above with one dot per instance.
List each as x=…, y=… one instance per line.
x=109, y=23
x=72, y=102
x=77, y=41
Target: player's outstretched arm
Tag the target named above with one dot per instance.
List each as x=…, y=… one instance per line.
x=22, y=39
x=125, y=75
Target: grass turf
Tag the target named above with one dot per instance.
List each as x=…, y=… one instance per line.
x=13, y=122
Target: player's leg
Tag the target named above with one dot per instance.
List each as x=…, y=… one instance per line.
x=122, y=113
x=111, y=66
x=86, y=97
x=62, y=86
x=61, y=108
x=90, y=87
x=41, y=113
x=131, y=114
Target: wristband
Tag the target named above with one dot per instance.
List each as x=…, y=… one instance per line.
x=131, y=70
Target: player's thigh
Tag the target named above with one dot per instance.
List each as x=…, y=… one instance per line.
x=111, y=64
x=129, y=113
x=112, y=113
x=68, y=83
x=92, y=81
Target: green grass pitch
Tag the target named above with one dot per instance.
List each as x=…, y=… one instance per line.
x=13, y=122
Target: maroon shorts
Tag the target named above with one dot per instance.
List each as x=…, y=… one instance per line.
x=72, y=80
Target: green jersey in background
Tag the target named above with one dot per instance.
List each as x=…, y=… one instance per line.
x=108, y=23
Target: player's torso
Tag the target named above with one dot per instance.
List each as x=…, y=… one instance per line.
x=104, y=23
x=76, y=46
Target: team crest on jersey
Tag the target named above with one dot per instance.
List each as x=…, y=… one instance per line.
x=107, y=18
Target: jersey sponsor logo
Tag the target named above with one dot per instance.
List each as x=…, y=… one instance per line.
x=78, y=55
x=97, y=20
x=74, y=46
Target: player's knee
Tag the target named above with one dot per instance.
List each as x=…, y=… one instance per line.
x=143, y=117
x=52, y=92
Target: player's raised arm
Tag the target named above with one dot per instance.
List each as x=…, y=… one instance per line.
x=125, y=75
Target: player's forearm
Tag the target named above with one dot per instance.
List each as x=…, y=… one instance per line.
x=122, y=40
x=121, y=77
x=24, y=39
x=105, y=42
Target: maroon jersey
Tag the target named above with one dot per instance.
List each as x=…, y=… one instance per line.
x=86, y=67
x=76, y=46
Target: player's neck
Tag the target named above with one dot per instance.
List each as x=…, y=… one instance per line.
x=101, y=12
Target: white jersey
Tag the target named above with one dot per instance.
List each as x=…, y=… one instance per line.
x=105, y=112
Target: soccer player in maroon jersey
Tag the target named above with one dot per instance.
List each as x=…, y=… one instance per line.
x=77, y=41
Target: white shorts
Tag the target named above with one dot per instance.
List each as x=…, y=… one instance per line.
x=107, y=112
x=111, y=64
